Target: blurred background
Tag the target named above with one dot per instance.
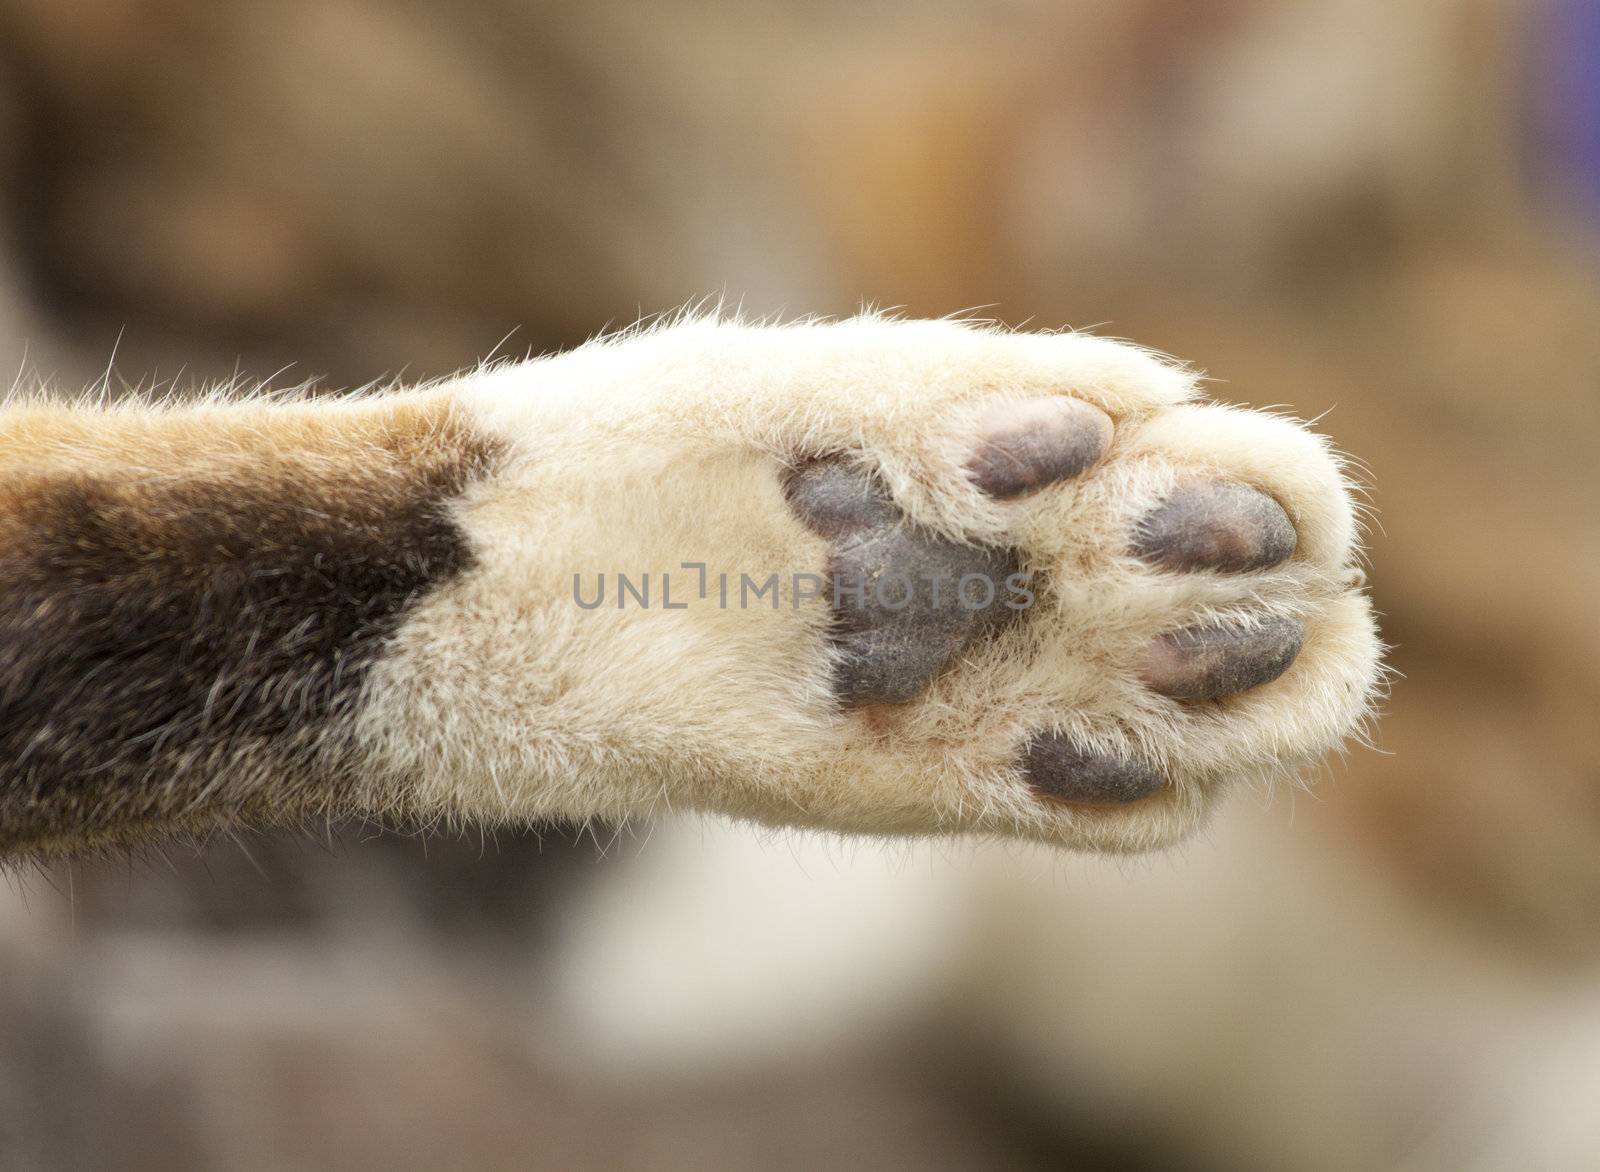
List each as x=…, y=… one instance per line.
x=1383, y=215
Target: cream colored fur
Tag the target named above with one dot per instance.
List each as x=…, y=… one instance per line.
x=666, y=446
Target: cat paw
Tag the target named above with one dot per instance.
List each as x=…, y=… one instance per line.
x=1027, y=584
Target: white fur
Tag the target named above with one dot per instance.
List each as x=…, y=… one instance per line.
x=666, y=446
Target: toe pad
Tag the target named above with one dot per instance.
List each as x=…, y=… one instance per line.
x=1207, y=663
x=1058, y=769
x=1023, y=447
x=1216, y=525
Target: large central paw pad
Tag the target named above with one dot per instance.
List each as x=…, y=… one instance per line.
x=906, y=602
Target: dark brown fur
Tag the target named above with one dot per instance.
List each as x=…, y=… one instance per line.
x=182, y=650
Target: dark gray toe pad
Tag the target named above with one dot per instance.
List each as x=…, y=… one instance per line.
x=906, y=602
x=1216, y=525
x=1058, y=769
x=1023, y=447
x=1208, y=663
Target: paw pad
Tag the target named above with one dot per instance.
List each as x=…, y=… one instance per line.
x=1058, y=769
x=906, y=602
x=1216, y=525
x=1023, y=447
x=1208, y=663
